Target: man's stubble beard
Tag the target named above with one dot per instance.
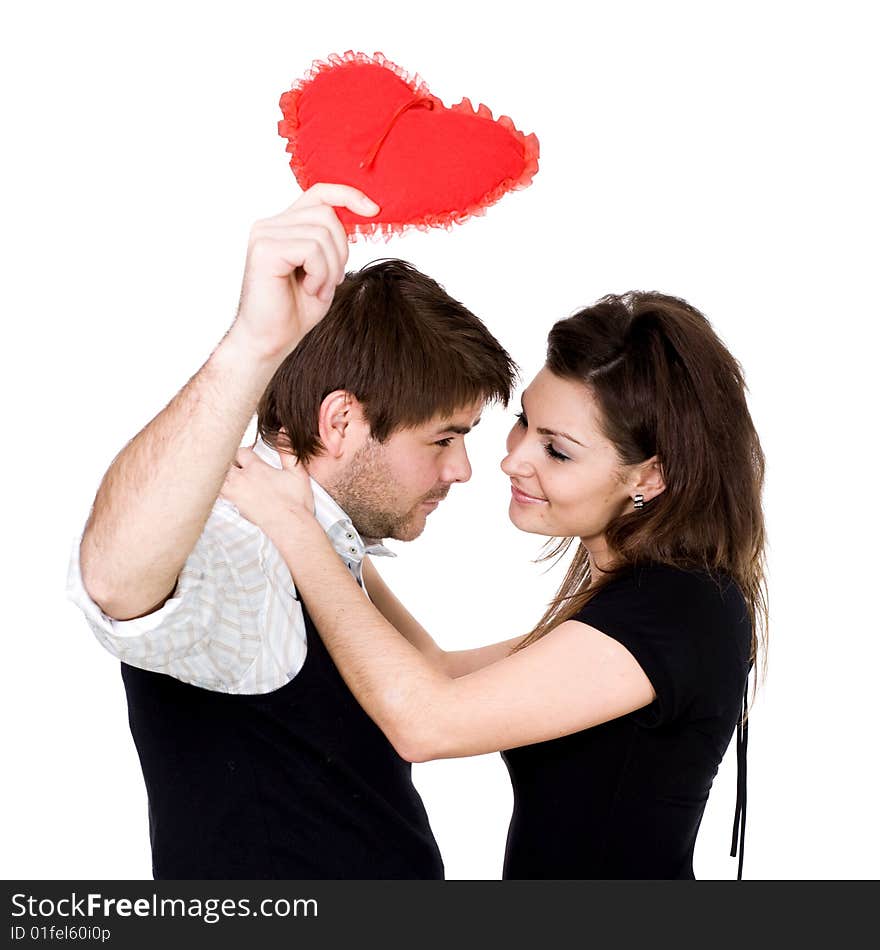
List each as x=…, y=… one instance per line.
x=366, y=490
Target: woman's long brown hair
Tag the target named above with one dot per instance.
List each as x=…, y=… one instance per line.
x=667, y=386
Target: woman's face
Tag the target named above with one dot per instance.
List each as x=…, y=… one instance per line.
x=566, y=479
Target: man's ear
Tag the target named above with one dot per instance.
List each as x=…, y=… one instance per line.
x=341, y=424
x=649, y=481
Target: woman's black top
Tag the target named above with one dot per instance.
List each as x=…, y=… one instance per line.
x=624, y=799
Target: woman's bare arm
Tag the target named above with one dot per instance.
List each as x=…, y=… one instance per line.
x=573, y=678
x=452, y=663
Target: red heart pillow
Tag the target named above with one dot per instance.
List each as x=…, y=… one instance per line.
x=360, y=120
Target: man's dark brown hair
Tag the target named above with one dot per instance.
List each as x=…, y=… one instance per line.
x=400, y=345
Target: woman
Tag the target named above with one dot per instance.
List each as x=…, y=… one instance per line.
x=614, y=712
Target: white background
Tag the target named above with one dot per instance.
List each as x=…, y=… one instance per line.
x=723, y=153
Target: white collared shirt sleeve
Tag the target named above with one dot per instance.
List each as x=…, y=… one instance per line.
x=233, y=623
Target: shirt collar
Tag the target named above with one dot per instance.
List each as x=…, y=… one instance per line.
x=338, y=526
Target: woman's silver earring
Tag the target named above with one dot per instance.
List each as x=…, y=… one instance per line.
x=639, y=502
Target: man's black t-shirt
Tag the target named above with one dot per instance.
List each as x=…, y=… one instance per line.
x=624, y=799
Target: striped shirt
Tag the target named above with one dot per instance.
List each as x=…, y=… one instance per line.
x=234, y=623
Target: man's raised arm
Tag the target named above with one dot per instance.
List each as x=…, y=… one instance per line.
x=156, y=496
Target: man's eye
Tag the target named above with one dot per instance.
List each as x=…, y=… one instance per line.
x=445, y=442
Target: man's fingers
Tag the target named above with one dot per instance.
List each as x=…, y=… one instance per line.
x=322, y=216
x=322, y=237
x=281, y=257
x=319, y=278
x=339, y=196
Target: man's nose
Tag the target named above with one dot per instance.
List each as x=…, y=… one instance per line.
x=458, y=468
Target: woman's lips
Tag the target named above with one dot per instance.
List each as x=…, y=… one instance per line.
x=523, y=499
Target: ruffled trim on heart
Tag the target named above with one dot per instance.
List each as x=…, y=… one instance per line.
x=289, y=126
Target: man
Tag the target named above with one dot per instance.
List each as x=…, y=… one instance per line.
x=258, y=761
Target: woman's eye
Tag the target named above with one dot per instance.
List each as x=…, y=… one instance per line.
x=521, y=419
x=548, y=448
